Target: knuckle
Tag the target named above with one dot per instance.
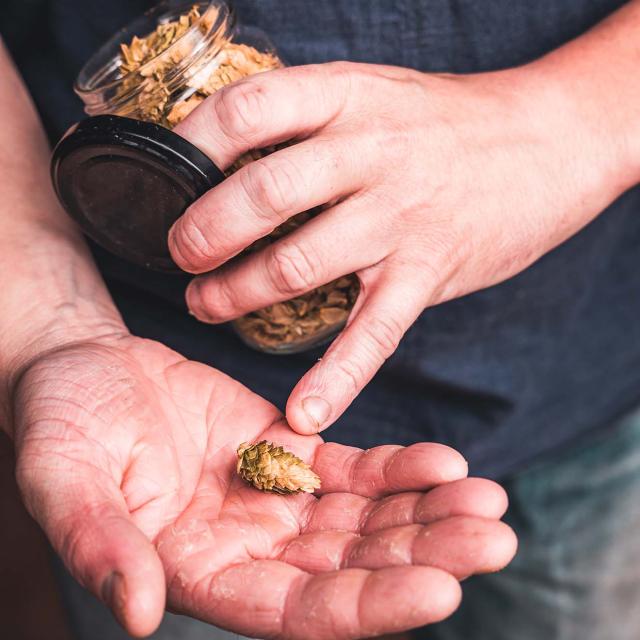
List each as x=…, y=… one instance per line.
x=241, y=111
x=353, y=373
x=336, y=84
x=79, y=528
x=272, y=187
x=340, y=70
x=383, y=335
x=293, y=271
x=218, y=301
x=193, y=240
x=339, y=66
x=70, y=543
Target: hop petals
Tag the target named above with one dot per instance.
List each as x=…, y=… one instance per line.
x=269, y=467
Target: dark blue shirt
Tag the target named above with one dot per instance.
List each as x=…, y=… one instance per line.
x=504, y=375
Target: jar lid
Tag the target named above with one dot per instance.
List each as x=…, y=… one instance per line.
x=126, y=182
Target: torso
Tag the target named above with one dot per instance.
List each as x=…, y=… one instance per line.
x=504, y=374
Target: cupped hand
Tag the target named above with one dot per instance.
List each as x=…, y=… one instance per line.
x=433, y=186
x=126, y=457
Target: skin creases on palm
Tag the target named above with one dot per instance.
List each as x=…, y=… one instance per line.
x=126, y=456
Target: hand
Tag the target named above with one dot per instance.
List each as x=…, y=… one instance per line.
x=126, y=457
x=439, y=186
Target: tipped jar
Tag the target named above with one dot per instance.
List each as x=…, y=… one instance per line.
x=162, y=66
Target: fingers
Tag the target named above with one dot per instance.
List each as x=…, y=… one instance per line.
x=88, y=524
x=354, y=604
x=468, y=497
x=386, y=469
x=347, y=512
x=461, y=546
x=268, y=598
x=372, y=335
x=265, y=109
x=337, y=512
x=261, y=196
x=342, y=240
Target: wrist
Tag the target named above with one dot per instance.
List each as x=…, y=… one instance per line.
x=591, y=125
x=55, y=298
x=595, y=87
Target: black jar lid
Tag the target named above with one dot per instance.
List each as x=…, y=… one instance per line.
x=127, y=181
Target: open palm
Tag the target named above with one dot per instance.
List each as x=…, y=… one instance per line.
x=126, y=456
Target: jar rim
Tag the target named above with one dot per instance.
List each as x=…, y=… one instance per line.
x=107, y=58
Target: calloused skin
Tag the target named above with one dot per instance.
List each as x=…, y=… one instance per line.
x=126, y=457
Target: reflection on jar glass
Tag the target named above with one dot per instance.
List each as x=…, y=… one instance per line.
x=161, y=67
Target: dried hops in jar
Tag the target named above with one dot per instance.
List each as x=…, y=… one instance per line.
x=310, y=318
x=159, y=69
x=144, y=56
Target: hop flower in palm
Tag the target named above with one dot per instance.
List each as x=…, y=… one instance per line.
x=269, y=467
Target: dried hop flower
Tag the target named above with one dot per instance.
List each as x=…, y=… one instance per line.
x=269, y=467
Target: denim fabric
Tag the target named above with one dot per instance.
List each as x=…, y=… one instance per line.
x=505, y=375
x=577, y=572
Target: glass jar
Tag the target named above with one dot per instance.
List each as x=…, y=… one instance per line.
x=162, y=66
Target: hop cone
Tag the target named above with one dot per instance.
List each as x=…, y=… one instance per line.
x=270, y=468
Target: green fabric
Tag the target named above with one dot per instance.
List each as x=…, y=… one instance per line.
x=577, y=572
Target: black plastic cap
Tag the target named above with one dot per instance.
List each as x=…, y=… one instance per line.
x=126, y=181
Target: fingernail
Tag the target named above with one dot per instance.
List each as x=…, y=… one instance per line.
x=194, y=302
x=318, y=411
x=114, y=595
x=175, y=249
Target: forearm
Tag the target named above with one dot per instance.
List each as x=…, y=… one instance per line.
x=51, y=292
x=598, y=77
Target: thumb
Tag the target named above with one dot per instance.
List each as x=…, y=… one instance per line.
x=378, y=322
x=87, y=521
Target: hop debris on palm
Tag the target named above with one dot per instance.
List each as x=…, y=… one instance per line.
x=269, y=467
